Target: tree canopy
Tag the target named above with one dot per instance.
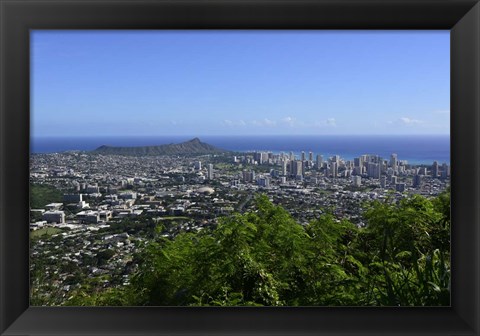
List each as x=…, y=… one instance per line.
x=265, y=258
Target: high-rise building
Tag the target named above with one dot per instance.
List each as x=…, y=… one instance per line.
x=383, y=181
x=319, y=161
x=303, y=156
x=357, y=181
x=296, y=168
x=373, y=170
x=422, y=171
x=382, y=164
x=435, y=169
x=400, y=187
x=210, y=171
x=263, y=181
x=263, y=158
x=417, y=181
x=394, y=161
x=370, y=169
x=257, y=156
x=248, y=176
x=198, y=165
x=334, y=169
x=445, y=171
x=284, y=164
x=310, y=156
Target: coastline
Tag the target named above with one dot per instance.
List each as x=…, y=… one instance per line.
x=416, y=149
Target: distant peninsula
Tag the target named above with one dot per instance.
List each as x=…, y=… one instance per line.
x=194, y=146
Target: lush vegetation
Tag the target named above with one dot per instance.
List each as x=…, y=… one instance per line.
x=42, y=194
x=264, y=257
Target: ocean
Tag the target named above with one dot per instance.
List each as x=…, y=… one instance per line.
x=418, y=149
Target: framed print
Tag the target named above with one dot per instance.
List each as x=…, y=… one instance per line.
x=290, y=201
x=257, y=164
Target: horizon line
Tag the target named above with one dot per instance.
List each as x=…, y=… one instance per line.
x=226, y=135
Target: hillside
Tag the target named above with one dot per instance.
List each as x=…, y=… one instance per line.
x=194, y=146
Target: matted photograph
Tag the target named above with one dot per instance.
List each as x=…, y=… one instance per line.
x=240, y=168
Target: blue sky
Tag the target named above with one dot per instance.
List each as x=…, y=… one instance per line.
x=153, y=83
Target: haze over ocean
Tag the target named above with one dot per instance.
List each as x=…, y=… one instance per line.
x=416, y=149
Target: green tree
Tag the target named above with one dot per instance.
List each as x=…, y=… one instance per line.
x=264, y=257
x=408, y=245
x=42, y=194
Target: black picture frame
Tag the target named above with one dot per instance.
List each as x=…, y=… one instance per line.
x=17, y=17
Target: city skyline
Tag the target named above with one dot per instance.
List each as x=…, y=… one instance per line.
x=95, y=216
x=239, y=83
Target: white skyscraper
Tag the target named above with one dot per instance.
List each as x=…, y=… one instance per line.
x=394, y=161
x=334, y=169
x=319, y=161
x=210, y=171
x=284, y=167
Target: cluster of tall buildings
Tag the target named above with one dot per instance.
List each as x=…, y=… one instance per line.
x=197, y=165
x=367, y=165
x=286, y=166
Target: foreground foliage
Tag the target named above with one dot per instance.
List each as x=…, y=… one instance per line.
x=265, y=257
